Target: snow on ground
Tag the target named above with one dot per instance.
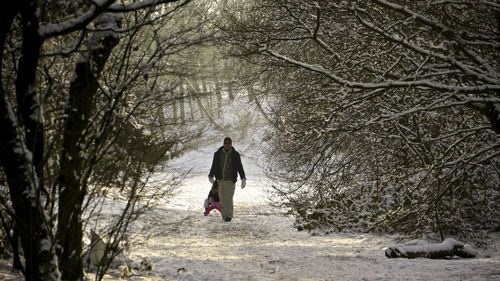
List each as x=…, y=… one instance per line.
x=260, y=244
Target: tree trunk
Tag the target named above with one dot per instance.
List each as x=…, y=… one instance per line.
x=13, y=241
x=31, y=220
x=175, y=109
x=204, y=90
x=198, y=94
x=82, y=91
x=7, y=16
x=218, y=94
x=250, y=93
x=494, y=110
x=189, y=94
x=182, y=105
x=205, y=112
x=21, y=154
x=230, y=90
x=29, y=106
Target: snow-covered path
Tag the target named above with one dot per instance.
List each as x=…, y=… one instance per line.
x=259, y=244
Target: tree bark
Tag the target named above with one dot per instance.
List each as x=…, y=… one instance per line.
x=7, y=16
x=13, y=241
x=182, y=105
x=31, y=220
x=82, y=92
x=29, y=106
x=21, y=154
x=198, y=94
x=218, y=93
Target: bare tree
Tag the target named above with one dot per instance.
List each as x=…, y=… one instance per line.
x=79, y=84
x=387, y=113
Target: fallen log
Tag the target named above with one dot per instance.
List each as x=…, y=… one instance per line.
x=445, y=250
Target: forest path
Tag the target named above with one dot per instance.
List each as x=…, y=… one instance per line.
x=256, y=245
x=260, y=244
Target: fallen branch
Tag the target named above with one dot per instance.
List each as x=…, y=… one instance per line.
x=447, y=249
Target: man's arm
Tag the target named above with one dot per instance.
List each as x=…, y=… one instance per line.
x=240, y=169
x=212, y=168
x=211, y=174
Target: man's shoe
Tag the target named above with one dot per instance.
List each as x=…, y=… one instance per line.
x=227, y=219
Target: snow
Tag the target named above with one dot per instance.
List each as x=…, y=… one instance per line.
x=261, y=243
x=447, y=246
x=45, y=245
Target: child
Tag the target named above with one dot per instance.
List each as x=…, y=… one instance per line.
x=212, y=202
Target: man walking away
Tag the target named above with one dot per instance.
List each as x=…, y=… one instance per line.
x=226, y=166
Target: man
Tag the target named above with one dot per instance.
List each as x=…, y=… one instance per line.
x=226, y=166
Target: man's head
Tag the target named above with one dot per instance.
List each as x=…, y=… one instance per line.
x=228, y=143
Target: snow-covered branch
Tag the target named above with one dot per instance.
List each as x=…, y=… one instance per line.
x=445, y=250
x=99, y=6
x=386, y=84
x=130, y=7
x=426, y=52
x=409, y=93
x=77, y=23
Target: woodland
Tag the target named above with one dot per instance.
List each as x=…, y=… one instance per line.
x=383, y=115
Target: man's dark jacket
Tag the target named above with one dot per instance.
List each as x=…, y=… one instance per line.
x=237, y=167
